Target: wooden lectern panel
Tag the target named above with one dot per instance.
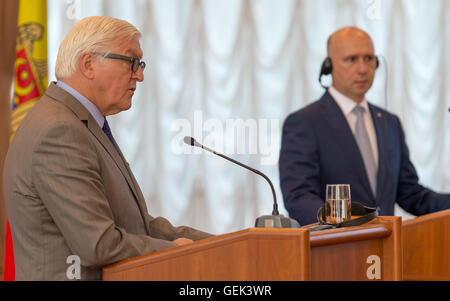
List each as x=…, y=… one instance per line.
x=426, y=247
x=372, y=251
x=249, y=255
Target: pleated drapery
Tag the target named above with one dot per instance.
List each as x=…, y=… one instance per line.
x=229, y=72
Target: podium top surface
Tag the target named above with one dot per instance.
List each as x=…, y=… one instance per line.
x=428, y=218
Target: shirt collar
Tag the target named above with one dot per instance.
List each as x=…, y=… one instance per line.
x=345, y=103
x=92, y=108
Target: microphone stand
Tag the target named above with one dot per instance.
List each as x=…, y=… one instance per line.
x=276, y=220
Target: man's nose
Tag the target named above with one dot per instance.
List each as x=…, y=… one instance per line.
x=138, y=75
x=363, y=66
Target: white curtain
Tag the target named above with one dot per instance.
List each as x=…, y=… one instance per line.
x=228, y=72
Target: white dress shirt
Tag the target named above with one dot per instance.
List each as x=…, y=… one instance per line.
x=347, y=105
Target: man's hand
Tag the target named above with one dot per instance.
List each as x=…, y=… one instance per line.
x=183, y=241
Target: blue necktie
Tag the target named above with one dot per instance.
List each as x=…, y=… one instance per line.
x=107, y=130
x=362, y=138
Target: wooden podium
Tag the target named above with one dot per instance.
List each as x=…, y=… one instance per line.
x=368, y=252
x=254, y=254
x=372, y=251
x=426, y=247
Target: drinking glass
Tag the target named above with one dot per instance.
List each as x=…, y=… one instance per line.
x=338, y=203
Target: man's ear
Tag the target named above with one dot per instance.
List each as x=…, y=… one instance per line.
x=87, y=65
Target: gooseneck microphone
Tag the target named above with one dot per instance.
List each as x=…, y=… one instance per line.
x=276, y=220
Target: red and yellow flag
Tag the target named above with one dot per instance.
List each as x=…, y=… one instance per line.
x=30, y=80
x=30, y=77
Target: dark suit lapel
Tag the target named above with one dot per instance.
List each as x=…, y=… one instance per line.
x=346, y=141
x=380, y=129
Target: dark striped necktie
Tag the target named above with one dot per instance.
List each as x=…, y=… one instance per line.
x=107, y=130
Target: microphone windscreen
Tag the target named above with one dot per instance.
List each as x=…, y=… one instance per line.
x=189, y=140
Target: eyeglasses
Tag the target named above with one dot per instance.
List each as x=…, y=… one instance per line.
x=135, y=62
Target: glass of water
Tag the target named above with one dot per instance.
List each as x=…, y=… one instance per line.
x=338, y=203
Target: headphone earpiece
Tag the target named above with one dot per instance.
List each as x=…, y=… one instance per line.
x=326, y=69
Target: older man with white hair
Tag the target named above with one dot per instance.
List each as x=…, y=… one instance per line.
x=69, y=191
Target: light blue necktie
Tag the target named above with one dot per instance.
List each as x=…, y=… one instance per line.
x=362, y=138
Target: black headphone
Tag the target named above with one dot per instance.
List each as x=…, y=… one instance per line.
x=327, y=68
x=366, y=214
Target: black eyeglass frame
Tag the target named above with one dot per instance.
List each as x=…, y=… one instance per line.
x=135, y=62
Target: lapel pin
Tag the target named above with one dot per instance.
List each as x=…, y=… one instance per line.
x=379, y=115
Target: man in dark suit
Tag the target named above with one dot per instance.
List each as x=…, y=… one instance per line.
x=69, y=191
x=342, y=139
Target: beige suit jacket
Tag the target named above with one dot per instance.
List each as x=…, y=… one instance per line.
x=69, y=192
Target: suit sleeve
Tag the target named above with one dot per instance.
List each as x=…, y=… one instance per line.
x=163, y=229
x=411, y=196
x=299, y=167
x=67, y=177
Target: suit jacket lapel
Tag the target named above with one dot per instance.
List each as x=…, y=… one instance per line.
x=62, y=96
x=380, y=129
x=106, y=143
x=120, y=161
x=346, y=141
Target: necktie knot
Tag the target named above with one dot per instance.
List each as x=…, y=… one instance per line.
x=359, y=110
x=107, y=130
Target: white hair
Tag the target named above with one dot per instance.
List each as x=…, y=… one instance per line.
x=91, y=34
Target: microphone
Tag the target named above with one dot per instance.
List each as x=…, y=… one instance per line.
x=276, y=220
